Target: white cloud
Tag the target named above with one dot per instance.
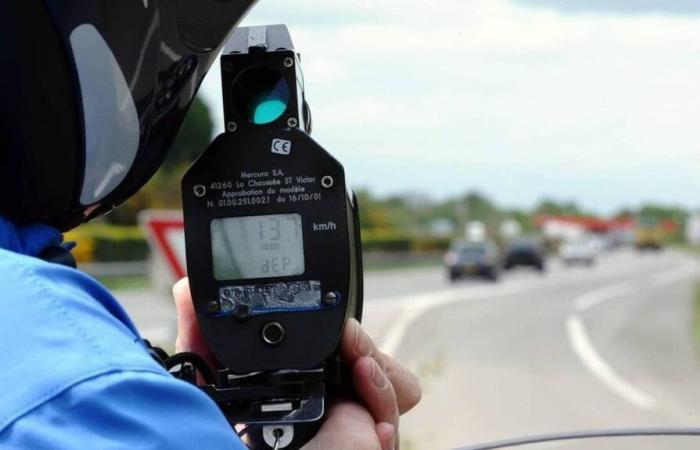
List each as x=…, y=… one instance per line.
x=602, y=108
x=370, y=111
x=325, y=71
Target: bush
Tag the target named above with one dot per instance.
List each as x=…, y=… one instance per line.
x=120, y=250
x=392, y=240
x=108, y=243
x=85, y=250
x=431, y=244
x=385, y=240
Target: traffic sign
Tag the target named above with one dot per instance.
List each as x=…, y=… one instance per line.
x=165, y=231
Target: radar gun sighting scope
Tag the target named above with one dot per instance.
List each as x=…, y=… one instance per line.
x=273, y=248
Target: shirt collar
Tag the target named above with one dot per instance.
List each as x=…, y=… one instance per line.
x=29, y=240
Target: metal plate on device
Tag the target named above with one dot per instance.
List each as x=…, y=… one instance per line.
x=307, y=410
x=271, y=297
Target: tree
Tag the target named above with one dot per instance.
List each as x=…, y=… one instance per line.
x=663, y=212
x=523, y=218
x=193, y=138
x=163, y=190
x=554, y=208
x=372, y=212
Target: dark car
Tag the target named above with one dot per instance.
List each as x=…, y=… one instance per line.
x=526, y=252
x=475, y=259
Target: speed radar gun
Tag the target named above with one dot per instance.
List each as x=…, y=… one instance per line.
x=273, y=249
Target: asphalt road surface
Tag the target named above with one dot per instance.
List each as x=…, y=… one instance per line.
x=576, y=348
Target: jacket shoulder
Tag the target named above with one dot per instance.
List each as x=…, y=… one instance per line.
x=58, y=327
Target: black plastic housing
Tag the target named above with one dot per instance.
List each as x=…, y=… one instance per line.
x=331, y=253
x=264, y=47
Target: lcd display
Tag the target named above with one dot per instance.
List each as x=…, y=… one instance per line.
x=257, y=247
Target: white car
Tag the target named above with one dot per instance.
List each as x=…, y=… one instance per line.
x=579, y=251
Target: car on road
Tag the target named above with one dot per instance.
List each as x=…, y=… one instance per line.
x=581, y=251
x=525, y=252
x=473, y=259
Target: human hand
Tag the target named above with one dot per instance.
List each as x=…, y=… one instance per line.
x=385, y=388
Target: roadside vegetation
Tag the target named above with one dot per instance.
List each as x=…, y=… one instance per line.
x=116, y=283
x=696, y=316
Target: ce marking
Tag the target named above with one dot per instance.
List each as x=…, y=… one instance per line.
x=281, y=146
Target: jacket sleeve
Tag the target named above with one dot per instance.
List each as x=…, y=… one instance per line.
x=124, y=410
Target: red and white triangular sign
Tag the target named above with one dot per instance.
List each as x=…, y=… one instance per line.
x=165, y=230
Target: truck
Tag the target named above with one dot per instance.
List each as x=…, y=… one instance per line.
x=649, y=234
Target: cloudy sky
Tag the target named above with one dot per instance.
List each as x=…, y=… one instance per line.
x=592, y=100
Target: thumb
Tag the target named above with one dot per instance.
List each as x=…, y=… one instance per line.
x=347, y=425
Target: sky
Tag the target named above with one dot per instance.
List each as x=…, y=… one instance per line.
x=592, y=101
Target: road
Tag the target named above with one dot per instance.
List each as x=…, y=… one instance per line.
x=576, y=348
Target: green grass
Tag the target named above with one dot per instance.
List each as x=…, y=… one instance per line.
x=696, y=316
x=694, y=250
x=409, y=263
x=125, y=282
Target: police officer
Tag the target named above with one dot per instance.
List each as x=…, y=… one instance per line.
x=92, y=93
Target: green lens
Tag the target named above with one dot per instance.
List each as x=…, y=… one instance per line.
x=267, y=108
x=260, y=95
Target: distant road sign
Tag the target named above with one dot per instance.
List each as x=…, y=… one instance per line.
x=165, y=231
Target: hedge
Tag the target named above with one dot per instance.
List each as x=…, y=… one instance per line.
x=389, y=240
x=108, y=243
x=111, y=243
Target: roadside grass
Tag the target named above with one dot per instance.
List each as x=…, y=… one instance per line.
x=694, y=250
x=696, y=316
x=371, y=264
x=125, y=282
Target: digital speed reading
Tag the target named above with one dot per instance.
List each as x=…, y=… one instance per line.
x=257, y=247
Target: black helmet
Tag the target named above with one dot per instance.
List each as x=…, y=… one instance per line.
x=92, y=94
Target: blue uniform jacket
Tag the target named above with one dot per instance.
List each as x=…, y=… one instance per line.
x=73, y=371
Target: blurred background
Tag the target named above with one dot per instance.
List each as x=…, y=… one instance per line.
x=527, y=174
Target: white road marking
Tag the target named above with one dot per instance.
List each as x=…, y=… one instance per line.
x=414, y=307
x=406, y=317
x=593, y=298
x=592, y=360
